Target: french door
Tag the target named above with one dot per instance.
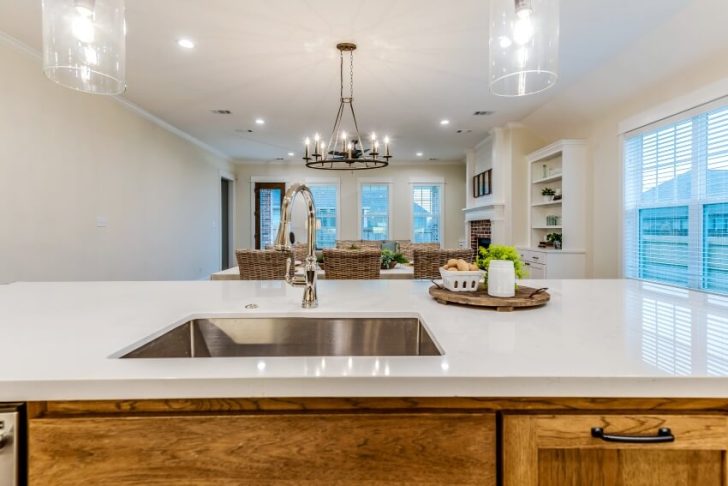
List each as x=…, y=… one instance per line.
x=268, y=201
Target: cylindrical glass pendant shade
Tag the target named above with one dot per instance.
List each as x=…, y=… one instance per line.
x=84, y=45
x=524, y=46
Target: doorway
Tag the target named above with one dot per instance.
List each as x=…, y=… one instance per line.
x=225, y=223
x=268, y=201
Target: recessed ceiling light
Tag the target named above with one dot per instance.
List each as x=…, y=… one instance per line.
x=419, y=154
x=186, y=43
x=291, y=154
x=444, y=122
x=259, y=121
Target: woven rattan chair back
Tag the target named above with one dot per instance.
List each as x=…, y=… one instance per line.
x=428, y=261
x=261, y=264
x=340, y=264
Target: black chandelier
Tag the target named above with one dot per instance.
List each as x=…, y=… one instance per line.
x=346, y=151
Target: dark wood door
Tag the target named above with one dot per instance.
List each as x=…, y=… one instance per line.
x=559, y=450
x=268, y=200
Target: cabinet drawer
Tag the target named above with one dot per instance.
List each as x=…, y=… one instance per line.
x=198, y=450
x=533, y=256
x=535, y=270
x=563, y=450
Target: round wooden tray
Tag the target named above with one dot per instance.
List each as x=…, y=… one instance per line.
x=525, y=297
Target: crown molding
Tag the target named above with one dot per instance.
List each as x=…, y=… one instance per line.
x=130, y=106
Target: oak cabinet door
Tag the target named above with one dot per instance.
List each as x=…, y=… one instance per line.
x=562, y=450
x=370, y=449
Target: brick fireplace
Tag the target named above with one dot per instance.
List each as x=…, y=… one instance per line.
x=479, y=229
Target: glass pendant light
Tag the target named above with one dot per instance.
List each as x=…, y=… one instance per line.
x=84, y=45
x=524, y=46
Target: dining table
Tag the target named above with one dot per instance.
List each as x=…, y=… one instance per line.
x=400, y=272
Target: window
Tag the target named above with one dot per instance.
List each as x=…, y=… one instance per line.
x=426, y=209
x=374, y=211
x=676, y=202
x=325, y=197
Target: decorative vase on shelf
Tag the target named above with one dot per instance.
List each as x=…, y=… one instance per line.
x=501, y=278
x=548, y=198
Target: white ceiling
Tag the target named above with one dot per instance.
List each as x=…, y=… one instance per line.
x=418, y=61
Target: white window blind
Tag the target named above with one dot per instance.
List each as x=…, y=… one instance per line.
x=426, y=212
x=676, y=201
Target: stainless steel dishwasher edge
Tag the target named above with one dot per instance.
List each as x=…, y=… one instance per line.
x=13, y=468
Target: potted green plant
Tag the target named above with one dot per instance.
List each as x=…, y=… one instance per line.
x=501, y=252
x=548, y=194
x=390, y=259
x=555, y=239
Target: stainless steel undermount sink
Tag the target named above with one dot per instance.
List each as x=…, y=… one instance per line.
x=291, y=336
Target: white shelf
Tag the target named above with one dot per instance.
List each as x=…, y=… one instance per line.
x=546, y=227
x=548, y=179
x=549, y=203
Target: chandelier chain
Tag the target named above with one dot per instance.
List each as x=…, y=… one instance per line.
x=351, y=74
x=341, y=74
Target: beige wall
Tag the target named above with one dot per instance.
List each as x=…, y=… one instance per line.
x=68, y=158
x=400, y=177
x=682, y=56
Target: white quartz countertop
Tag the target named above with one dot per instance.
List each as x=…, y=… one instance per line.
x=596, y=338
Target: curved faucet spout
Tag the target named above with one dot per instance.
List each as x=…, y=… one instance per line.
x=308, y=280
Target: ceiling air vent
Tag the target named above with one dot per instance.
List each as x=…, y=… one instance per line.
x=463, y=130
x=240, y=130
x=433, y=158
x=483, y=113
x=221, y=112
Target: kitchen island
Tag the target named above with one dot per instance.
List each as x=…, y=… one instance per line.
x=525, y=389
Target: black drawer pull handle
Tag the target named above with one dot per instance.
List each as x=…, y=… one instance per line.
x=663, y=435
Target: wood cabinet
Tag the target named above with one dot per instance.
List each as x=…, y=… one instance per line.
x=263, y=449
x=560, y=450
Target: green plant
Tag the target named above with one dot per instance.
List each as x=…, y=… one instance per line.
x=388, y=257
x=501, y=252
x=553, y=237
x=400, y=258
x=547, y=191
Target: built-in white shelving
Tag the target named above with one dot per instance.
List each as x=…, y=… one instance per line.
x=552, y=178
x=560, y=166
x=549, y=203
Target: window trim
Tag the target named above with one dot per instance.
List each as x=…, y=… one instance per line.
x=368, y=180
x=431, y=181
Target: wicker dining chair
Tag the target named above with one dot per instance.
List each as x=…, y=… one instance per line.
x=358, y=244
x=262, y=264
x=428, y=261
x=340, y=264
x=407, y=248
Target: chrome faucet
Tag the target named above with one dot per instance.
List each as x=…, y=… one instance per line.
x=308, y=280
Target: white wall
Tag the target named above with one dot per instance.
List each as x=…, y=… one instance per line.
x=683, y=55
x=67, y=158
x=400, y=177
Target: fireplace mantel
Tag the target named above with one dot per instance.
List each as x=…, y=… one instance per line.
x=493, y=211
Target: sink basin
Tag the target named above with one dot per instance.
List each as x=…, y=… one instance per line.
x=291, y=336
